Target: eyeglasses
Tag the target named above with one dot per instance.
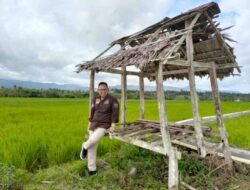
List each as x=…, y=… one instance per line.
x=105, y=89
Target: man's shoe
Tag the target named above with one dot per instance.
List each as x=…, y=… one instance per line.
x=83, y=153
x=92, y=172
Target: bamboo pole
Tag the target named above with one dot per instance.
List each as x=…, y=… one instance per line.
x=219, y=116
x=141, y=97
x=173, y=161
x=193, y=93
x=124, y=95
x=91, y=89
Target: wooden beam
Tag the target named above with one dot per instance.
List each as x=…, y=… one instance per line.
x=141, y=86
x=173, y=173
x=213, y=117
x=142, y=144
x=91, y=89
x=173, y=179
x=183, y=71
x=221, y=40
x=219, y=116
x=124, y=95
x=185, y=63
x=239, y=155
x=193, y=93
x=99, y=55
x=116, y=71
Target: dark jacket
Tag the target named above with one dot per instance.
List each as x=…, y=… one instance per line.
x=104, y=112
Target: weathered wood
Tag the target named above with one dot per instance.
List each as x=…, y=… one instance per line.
x=213, y=118
x=157, y=142
x=141, y=86
x=187, y=186
x=99, y=55
x=126, y=131
x=162, y=110
x=91, y=89
x=193, y=93
x=221, y=40
x=124, y=95
x=239, y=155
x=219, y=116
x=142, y=144
x=173, y=160
x=148, y=135
x=173, y=177
x=187, y=63
x=184, y=71
x=140, y=132
x=116, y=71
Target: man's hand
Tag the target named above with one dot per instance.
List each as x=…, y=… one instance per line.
x=112, y=128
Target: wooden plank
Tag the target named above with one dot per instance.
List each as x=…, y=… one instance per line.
x=183, y=71
x=237, y=154
x=213, y=118
x=148, y=135
x=91, y=89
x=140, y=132
x=157, y=143
x=193, y=93
x=116, y=71
x=219, y=116
x=185, y=63
x=142, y=144
x=129, y=129
x=141, y=86
x=124, y=96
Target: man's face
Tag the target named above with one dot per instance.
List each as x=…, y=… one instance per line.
x=103, y=90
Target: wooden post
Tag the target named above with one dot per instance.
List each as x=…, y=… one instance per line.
x=173, y=162
x=141, y=97
x=193, y=93
x=219, y=116
x=91, y=88
x=124, y=95
x=173, y=173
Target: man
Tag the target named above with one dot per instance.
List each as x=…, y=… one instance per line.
x=104, y=115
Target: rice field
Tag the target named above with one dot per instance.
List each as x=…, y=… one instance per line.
x=37, y=133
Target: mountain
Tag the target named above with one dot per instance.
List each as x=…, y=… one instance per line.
x=37, y=85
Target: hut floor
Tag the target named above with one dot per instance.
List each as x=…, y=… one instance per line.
x=146, y=134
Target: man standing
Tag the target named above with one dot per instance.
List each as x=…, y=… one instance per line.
x=104, y=115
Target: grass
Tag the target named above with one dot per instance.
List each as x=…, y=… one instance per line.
x=45, y=133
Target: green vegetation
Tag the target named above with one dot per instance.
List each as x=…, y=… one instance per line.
x=131, y=94
x=38, y=133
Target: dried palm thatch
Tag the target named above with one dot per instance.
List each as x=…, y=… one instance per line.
x=165, y=40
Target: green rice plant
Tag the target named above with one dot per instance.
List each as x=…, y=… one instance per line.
x=37, y=133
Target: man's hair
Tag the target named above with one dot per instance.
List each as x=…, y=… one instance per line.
x=103, y=83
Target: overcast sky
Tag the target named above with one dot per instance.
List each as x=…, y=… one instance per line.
x=43, y=40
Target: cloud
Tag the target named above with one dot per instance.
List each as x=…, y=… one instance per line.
x=43, y=40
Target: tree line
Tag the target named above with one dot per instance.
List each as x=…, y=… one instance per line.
x=131, y=94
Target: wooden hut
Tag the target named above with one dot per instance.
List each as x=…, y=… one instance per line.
x=188, y=45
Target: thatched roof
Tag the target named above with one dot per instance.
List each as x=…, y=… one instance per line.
x=165, y=40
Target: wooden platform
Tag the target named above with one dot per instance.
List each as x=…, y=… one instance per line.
x=146, y=134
